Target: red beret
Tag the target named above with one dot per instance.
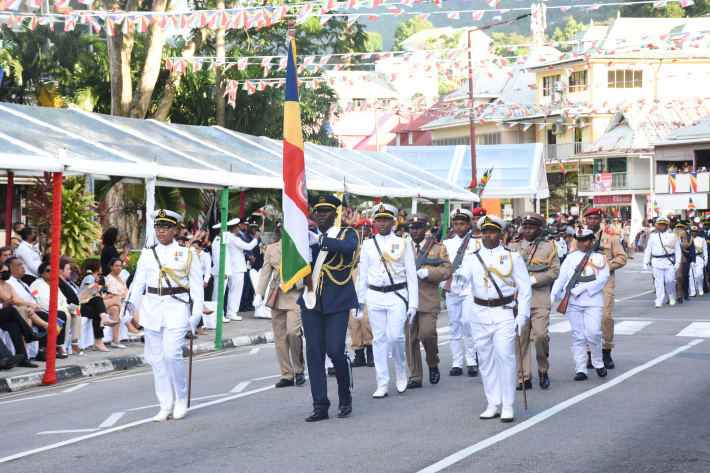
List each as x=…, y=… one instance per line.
x=478, y=212
x=594, y=211
x=363, y=221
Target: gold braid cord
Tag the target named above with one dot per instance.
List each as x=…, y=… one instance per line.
x=595, y=268
x=328, y=266
x=177, y=274
x=501, y=276
x=547, y=261
x=698, y=249
x=388, y=260
x=675, y=237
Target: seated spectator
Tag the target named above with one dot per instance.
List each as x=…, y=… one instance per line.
x=702, y=169
x=7, y=360
x=75, y=270
x=5, y=253
x=12, y=322
x=28, y=254
x=91, y=307
x=15, y=244
x=92, y=279
x=109, y=251
x=117, y=287
x=17, y=228
x=41, y=291
x=671, y=169
x=686, y=168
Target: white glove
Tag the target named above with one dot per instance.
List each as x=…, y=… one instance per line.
x=313, y=239
x=358, y=314
x=127, y=312
x=423, y=273
x=520, y=323
x=676, y=267
x=553, y=298
x=258, y=301
x=645, y=267
x=194, y=320
x=533, y=281
x=411, y=312
x=578, y=290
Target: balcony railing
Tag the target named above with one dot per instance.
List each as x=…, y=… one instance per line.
x=564, y=150
x=620, y=181
x=683, y=183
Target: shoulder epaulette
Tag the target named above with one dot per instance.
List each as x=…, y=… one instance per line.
x=275, y=241
x=150, y=247
x=507, y=249
x=182, y=244
x=609, y=232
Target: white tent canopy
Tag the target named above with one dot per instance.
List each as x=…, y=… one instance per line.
x=38, y=139
x=518, y=169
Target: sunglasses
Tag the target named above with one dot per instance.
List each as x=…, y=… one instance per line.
x=164, y=227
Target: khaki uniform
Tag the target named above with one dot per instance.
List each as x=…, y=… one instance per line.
x=424, y=324
x=615, y=255
x=536, y=327
x=684, y=244
x=285, y=316
x=360, y=330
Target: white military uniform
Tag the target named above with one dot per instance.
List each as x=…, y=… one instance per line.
x=165, y=318
x=30, y=257
x=697, y=268
x=561, y=248
x=585, y=310
x=459, y=298
x=494, y=328
x=215, y=267
x=663, y=253
x=386, y=310
x=236, y=247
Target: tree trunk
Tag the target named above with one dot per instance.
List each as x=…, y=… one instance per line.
x=122, y=220
x=173, y=83
x=219, y=73
x=143, y=92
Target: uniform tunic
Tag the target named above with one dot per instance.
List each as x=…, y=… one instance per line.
x=164, y=317
x=698, y=267
x=610, y=245
x=663, y=254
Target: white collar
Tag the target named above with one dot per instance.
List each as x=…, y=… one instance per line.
x=325, y=232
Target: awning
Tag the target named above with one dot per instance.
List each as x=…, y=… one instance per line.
x=38, y=139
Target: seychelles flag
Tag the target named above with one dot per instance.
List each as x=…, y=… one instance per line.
x=655, y=206
x=694, y=181
x=294, y=253
x=615, y=212
x=691, y=208
x=671, y=181
x=60, y=324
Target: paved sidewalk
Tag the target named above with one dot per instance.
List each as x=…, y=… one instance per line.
x=249, y=331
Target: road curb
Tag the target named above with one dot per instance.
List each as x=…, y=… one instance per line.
x=87, y=370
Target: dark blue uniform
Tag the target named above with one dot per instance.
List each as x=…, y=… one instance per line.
x=326, y=325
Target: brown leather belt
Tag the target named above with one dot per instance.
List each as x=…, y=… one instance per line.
x=167, y=291
x=494, y=302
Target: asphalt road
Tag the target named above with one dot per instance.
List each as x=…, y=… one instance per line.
x=650, y=414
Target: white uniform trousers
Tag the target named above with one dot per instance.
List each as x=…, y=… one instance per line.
x=495, y=344
x=387, y=314
x=163, y=350
x=215, y=288
x=661, y=276
x=696, y=277
x=586, y=325
x=455, y=305
x=236, y=285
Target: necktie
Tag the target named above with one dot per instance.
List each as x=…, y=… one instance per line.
x=417, y=248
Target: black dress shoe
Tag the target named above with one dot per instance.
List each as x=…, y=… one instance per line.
x=345, y=407
x=528, y=385
x=473, y=371
x=580, y=376
x=284, y=383
x=413, y=384
x=359, y=359
x=434, y=375
x=316, y=415
x=61, y=356
x=331, y=371
x=41, y=355
x=300, y=379
x=601, y=372
x=589, y=361
x=11, y=362
x=686, y=298
x=544, y=380
x=680, y=300
x=606, y=358
x=36, y=337
x=370, y=356
x=27, y=364
x=455, y=371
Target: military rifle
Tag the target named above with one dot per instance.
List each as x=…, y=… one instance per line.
x=577, y=276
x=531, y=253
x=421, y=258
x=458, y=259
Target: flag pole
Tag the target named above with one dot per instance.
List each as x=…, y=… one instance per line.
x=50, y=373
x=220, y=278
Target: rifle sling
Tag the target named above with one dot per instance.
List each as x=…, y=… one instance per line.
x=167, y=280
x=406, y=304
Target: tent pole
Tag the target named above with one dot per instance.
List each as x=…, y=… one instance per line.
x=220, y=278
x=444, y=228
x=50, y=374
x=414, y=205
x=242, y=198
x=8, y=209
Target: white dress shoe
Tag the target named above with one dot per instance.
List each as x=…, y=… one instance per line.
x=164, y=414
x=401, y=382
x=490, y=412
x=672, y=302
x=234, y=317
x=658, y=306
x=700, y=293
x=225, y=320
x=382, y=391
x=117, y=345
x=180, y=409
x=507, y=415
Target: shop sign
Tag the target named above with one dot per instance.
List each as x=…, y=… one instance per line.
x=623, y=199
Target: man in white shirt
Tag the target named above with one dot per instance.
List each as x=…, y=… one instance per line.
x=216, y=243
x=495, y=274
x=237, y=246
x=662, y=254
x=387, y=281
x=28, y=253
x=697, y=267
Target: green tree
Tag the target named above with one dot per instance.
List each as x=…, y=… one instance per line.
x=503, y=40
x=409, y=28
x=571, y=29
x=373, y=43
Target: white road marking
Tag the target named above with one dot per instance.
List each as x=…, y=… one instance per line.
x=112, y=419
x=629, y=327
x=74, y=431
x=74, y=388
x=240, y=387
x=29, y=398
x=122, y=377
x=121, y=427
x=468, y=451
x=266, y=377
x=254, y=351
x=696, y=329
x=561, y=327
x=636, y=295
x=443, y=329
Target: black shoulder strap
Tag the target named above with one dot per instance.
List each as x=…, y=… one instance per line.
x=160, y=266
x=406, y=304
x=485, y=268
